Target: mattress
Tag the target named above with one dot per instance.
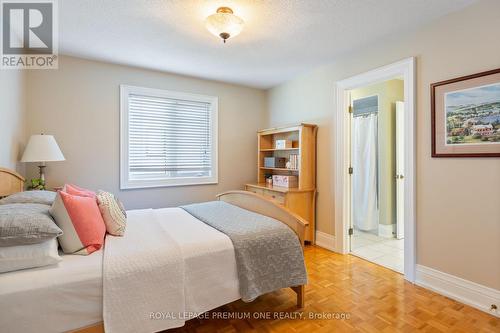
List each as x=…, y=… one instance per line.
x=54, y=298
x=68, y=296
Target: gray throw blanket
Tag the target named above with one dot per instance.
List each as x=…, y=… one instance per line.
x=268, y=253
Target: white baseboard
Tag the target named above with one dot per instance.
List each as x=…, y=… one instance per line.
x=325, y=240
x=464, y=291
x=387, y=230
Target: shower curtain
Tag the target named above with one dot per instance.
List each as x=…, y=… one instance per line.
x=364, y=158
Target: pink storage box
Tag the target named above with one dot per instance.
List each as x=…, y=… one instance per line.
x=285, y=181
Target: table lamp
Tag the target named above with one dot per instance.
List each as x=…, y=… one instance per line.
x=42, y=148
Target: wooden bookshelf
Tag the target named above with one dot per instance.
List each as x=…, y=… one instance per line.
x=302, y=199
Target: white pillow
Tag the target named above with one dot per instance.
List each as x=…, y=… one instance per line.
x=13, y=258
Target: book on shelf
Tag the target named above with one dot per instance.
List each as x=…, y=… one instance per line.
x=294, y=162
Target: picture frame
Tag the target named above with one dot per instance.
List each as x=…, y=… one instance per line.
x=465, y=116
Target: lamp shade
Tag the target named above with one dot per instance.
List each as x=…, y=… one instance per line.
x=42, y=148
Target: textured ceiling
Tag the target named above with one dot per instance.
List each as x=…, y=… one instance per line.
x=281, y=38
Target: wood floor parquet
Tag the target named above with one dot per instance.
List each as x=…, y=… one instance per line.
x=373, y=298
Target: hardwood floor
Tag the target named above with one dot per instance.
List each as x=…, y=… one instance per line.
x=374, y=298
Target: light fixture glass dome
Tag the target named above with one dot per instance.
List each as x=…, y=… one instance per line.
x=224, y=23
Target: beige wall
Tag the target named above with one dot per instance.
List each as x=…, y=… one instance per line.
x=388, y=93
x=12, y=118
x=458, y=210
x=79, y=104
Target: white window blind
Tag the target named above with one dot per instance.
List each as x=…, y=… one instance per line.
x=170, y=138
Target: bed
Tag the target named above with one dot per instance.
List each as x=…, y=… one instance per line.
x=69, y=296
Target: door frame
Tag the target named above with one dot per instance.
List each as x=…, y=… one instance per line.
x=405, y=69
x=400, y=118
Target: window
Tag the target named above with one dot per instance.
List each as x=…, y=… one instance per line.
x=167, y=138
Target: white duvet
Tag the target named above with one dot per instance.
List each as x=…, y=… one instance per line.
x=152, y=275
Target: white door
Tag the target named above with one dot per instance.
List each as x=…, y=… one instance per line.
x=400, y=170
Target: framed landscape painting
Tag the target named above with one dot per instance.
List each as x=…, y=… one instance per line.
x=466, y=116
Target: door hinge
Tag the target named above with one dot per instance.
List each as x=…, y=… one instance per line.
x=351, y=231
x=351, y=170
x=350, y=109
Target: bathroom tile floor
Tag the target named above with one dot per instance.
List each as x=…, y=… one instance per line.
x=387, y=252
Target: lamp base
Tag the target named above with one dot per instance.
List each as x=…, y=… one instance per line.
x=42, y=172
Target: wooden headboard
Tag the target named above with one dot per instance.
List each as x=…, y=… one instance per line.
x=10, y=182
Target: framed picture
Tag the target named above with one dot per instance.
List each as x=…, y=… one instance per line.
x=466, y=116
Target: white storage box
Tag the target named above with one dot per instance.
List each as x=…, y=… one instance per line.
x=283, y=144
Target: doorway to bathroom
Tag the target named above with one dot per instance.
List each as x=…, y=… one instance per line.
x=376, y=227
x=405, y=70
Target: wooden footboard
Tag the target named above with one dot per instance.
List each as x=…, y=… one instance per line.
x=261, y=205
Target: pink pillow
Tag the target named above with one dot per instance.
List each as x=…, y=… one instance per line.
x=81, y=222
x=81, y=192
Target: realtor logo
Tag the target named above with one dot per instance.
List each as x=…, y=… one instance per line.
x=29, y=34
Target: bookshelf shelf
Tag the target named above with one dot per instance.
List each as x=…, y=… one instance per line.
x=283, y=149
x=280, y=169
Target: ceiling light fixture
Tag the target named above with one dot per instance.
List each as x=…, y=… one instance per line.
x=224, y=23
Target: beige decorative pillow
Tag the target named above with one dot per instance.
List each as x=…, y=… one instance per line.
x=112, y=212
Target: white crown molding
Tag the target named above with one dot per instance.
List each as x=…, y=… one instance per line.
x=464, y=291
x=325, y=240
